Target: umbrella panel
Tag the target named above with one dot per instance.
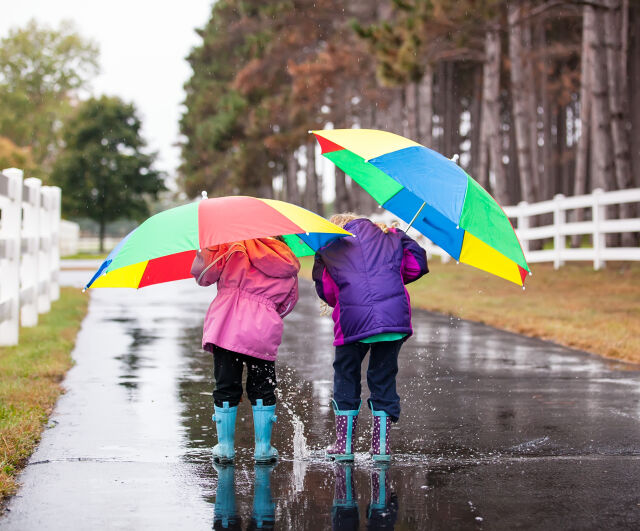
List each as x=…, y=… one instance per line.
x=438, y=226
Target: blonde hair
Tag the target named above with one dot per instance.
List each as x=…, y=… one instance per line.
x=343, y=218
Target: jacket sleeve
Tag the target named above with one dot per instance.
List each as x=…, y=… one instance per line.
x=326, y=288
x=414, y=259
x=208, y=265
x=289, y=303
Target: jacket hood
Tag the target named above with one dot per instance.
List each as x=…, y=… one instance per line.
x=272, y=257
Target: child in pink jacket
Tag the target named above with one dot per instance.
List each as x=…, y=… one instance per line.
x=257, y=284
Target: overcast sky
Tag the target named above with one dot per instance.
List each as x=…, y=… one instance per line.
x=143, y=45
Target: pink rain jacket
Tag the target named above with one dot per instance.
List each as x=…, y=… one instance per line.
x=257, y=286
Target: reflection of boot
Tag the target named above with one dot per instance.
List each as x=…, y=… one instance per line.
x=225, y=513
x=225, y=419
x=264, y=508
x=263, y=419
x=382, y=512
x=344, y=513
x=346, y=424
x=381, y=425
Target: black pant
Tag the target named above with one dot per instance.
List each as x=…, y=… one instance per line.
x=381, y=375
x=227, y=371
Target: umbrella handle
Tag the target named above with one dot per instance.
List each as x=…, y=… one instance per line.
x=414, y=217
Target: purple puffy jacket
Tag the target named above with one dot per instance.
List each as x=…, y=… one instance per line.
x=363, y=279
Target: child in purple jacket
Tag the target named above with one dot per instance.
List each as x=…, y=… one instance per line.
x=363, y=279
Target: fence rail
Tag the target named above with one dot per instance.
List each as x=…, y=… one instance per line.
x=29, y=255
x=596, y=225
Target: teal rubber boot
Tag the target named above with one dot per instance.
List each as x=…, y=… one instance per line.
x=378, y=488
x=263, y=419
x=225, y=419
x=346, y=424
x=382, y=512
x=264, y=508
x=344, y=511
x=381, y=426
x=225, y=511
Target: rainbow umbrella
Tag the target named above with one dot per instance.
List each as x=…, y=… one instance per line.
x=432, y=194
x=163, y=247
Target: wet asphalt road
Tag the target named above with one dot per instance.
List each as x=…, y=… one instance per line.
x=497, y=432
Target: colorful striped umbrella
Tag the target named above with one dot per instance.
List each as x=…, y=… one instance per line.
x=163, y=247
x=432, y=194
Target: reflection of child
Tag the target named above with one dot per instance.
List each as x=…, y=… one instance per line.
x=257, y=286
x=363, y=279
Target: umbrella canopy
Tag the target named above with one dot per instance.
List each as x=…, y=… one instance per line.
x=163, y=247
x=432, y=193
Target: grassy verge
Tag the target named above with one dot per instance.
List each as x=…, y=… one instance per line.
x=85, y=256
x=596, y=311
x=30, y=376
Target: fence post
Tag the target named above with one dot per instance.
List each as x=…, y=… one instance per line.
x=559, y=240
x=10, y=279
x=30, y=252
x=599, y=241
x=54, y=251
x=523, y=225
x=44, y=250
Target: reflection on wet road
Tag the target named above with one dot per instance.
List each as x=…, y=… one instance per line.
x=497, y=432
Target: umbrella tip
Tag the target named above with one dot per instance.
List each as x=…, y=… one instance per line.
x=523, y=288
x=204, y=194
x=530, y=273
x=309, y=131
x=455, y=158
x=84, y=289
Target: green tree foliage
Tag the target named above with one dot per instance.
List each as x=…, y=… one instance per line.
x=103, y=169
x=41, y=72
x=213, y=124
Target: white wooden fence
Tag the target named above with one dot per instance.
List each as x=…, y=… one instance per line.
x=29, y=255
x=597, y=226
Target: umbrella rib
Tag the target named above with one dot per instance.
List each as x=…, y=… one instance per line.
x=414, y=217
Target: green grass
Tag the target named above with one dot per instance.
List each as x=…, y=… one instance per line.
x=85, y=256
x=596, y=311
x=30, y=376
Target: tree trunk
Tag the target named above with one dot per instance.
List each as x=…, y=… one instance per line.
x=582, y=154
x=411, y=99
x=633, y=85
x=550, y=180
x=490, y=154
x=519, y=95
x=425, y=100
x=312, y=200
x=103, y=226
x=532, y=105
x=439, y=107
x=603, y=164
x=558, y=154
x=342, y=203
x=601, y=142
x=293, y=192
x=584, y=141
x=618, y=107
x=266, y=190
x=475, y=118
x=449, y=123
x=513, y=181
